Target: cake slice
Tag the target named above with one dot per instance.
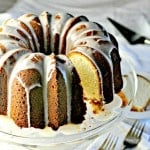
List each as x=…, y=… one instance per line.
x=142, y=99
x=7, y=62
x=88, y=73
x=65, y=100
x=25, y=101
x=111, y=52
x=93, y=69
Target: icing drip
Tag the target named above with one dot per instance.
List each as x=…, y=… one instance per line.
x=78, y=29
x=57, y=22
x=44, y=19
x=17, y=24
x=9, y=45
x=49, y=66
x=27, y=20
x=26, y=62
x=93, y=42
x=27, y=90
x=15, y=34
x=5, y=36
x=65, y=69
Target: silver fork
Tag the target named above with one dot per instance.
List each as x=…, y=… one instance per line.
x=109, y=143
x=134, y=135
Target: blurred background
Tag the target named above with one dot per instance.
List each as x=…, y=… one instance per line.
x=133, y=13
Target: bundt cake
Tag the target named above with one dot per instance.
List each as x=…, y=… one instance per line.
x=51, y=65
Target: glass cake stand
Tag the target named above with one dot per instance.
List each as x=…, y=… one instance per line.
x=69, y=138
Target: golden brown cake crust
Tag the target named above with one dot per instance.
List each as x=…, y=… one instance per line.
x=2, y=48
x=57, y=101
x=20, y=107
x=25, y=27
x=39, y=32
x=37, y=108
x=19, y=104
x=3, y=92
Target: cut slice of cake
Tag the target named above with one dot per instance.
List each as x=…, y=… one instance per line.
x=142, y=99
x=65, y=97
x=88, y=73
x=92, y=74
x=93, y=67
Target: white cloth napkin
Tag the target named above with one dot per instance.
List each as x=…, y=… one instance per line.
x=120, y=131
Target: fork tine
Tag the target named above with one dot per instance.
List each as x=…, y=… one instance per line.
x=137, y=129
x=141, y=129
x=109, y=143
x=133, y=128
x=105, y=142
x=113, y=145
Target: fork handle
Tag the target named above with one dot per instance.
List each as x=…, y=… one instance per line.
x=124, y=148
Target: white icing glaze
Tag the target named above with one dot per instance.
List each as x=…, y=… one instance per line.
x=66, y=70
x=76, y=30
x=9, y=45
x=26, y=63
x=45, y=67
x=64, y=30
x=9, y=29
x=5, y=61
x=6, y=36
x=57, y=23
x=27, y=19
x=93, y=32
x=46, y=26
x=49, y=67
x=17, y=24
